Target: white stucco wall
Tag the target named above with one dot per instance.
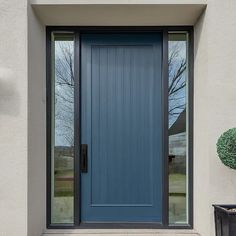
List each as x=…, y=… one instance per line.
x=214, y=94
x=22, y=121
x=13, y=117
x=22, y=114
x=36, y=125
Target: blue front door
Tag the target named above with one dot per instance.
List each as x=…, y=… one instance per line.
x=122, y=126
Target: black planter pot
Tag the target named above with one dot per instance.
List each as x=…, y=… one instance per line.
x=225, y=220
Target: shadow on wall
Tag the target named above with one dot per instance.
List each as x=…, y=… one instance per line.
x=10, y=99
x=198, y=32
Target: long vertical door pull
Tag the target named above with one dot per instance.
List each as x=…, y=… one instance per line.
x=84, y=158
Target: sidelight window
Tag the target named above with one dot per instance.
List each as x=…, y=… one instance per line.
x=178, y=132
x=62, y=129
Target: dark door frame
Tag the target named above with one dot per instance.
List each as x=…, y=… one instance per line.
x=77, y=31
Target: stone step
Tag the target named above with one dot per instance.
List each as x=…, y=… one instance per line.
x=120, y=232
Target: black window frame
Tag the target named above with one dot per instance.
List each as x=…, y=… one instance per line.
x=77, y=31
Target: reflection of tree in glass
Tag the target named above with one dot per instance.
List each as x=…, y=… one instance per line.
x=177, y=79
x=64, y=93
x=64, y=87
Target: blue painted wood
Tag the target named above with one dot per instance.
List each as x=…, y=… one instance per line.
x=121, y=123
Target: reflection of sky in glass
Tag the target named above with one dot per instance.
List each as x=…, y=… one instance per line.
x=177, y=79
x=64, y=88
x=64, y=93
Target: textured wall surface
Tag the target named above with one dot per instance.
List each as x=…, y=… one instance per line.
x=13, y=118
x=214, y=94
x=36, y=125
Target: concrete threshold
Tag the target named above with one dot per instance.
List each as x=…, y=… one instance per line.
x=120, y=232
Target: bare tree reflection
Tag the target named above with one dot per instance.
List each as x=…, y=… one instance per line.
x=64, y=127
x=64, y=92
x=177, y=129
x=177, y=79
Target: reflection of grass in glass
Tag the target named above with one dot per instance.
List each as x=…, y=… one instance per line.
x=64, y=184
x=177, y=198
x=62, y=211
x=66, y=173
x=177, y=183
x=177, y=209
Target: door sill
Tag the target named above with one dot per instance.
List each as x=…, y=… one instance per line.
x=121, y=232
x=121, y=225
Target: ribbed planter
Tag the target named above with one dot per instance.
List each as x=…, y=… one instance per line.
x=225, y=220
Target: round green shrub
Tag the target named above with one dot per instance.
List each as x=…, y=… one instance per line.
x=226, y=148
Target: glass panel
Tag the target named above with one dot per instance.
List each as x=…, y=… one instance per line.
x=62, y=129
x=178, y=131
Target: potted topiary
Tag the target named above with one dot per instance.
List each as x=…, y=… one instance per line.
x=225, y=215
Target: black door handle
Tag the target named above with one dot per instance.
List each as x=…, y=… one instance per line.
x=84, y=158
